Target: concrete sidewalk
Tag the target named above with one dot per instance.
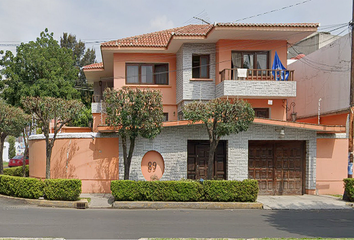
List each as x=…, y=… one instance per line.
x=303, y=202
x=300, y=202
x=99, y=200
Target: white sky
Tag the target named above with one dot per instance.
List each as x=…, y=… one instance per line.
x=104, y=20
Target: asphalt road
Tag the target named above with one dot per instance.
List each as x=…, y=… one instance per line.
x=19, y=220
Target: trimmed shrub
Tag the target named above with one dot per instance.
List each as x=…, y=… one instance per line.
x=62, y=189
x=185, y=191
x=16, y=171
x=231, y=191
x=21, y=187
x=126, y=190
x=179, y=191
x=349, y=188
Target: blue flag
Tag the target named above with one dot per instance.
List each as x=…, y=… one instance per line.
x=277, y=65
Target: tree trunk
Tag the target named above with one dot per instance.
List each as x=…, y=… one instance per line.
x=127, y=156
x=25, y=154
x=24, y=161
x=48, y=156
x=2, y=140
x=126, y=164
x=212, y=147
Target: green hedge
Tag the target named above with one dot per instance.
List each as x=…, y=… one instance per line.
x=185, y=191
x=230, y=191
x=349, y=188
x=21, y=187
x=52, y=189
x=16, y=171
x=62, y=189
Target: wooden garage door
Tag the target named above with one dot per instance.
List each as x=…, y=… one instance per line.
x=197, y=162
x=279, y=166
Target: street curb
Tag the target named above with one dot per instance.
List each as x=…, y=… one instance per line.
x=82, y=203
x=186, y=205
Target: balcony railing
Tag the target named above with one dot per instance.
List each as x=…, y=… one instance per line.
x=97, y=98
x=258, y=74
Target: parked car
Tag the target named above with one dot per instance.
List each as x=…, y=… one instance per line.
x=17, y=161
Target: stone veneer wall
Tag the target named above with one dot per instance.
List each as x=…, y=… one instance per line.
x=172, y=145
x=194, y=90
x=247, y=88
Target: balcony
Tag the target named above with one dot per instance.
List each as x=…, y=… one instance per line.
x=96, y=105
x=256, y=83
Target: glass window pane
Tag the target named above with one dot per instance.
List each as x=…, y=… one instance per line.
x=132, y=74
x=204, y=61
x=262, y=61
x=236, y=58
x=248, y=61
x=146, y=74
x=195, y=67
x=161, y=73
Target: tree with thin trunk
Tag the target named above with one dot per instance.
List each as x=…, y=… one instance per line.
x=47, y=109
x=12, y=121
x=133, y=113
x=12, y=149
x=221, y=117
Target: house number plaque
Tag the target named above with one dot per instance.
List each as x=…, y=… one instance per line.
x=152, y=166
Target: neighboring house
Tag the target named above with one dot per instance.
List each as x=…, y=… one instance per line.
x=324, y=79
x=5, y=153
x=311, y=44
x=197, y=63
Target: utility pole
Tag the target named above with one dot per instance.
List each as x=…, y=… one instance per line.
x=351, y=89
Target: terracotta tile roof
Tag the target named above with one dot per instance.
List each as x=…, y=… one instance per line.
x=93, y=66
x=304, y=25
x=162, y=38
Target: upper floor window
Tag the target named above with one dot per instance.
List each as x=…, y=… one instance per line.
x=200, y=66
x=250, y=60
x=150, y=73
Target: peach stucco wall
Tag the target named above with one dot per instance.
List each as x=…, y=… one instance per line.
x=224, y=48
x=168, y=91
x=94, y=161
x=338, y=119
x=331, y=165
x=276, y=111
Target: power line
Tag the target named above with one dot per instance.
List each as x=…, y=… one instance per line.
x=272, y=11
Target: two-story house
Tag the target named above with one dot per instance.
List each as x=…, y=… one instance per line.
x=200, y=63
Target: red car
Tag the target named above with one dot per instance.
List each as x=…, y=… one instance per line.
x=17, y=161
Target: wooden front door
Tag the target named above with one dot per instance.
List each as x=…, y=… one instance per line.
x=197, y=162
x=278, y=166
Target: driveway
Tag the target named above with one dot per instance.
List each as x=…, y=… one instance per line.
x=304, y=202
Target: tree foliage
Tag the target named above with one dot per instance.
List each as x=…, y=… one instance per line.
x=81, y=57
x=133, y=113
x=12, y=149
x=39, y=68
x=221, y=117
x=48, y=109
x=12, y=121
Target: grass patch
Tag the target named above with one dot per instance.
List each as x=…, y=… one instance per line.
x=87, y=198
x=337, y=196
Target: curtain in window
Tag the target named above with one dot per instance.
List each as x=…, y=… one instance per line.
x=146, y=74
x=161, y=74
x=132, y=74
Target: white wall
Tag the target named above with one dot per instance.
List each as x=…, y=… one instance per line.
x=5, y=154
x=323, y=74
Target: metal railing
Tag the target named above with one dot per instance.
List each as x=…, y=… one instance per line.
x=258, y=74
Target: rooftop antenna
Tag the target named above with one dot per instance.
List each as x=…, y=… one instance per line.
x=201, y=19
